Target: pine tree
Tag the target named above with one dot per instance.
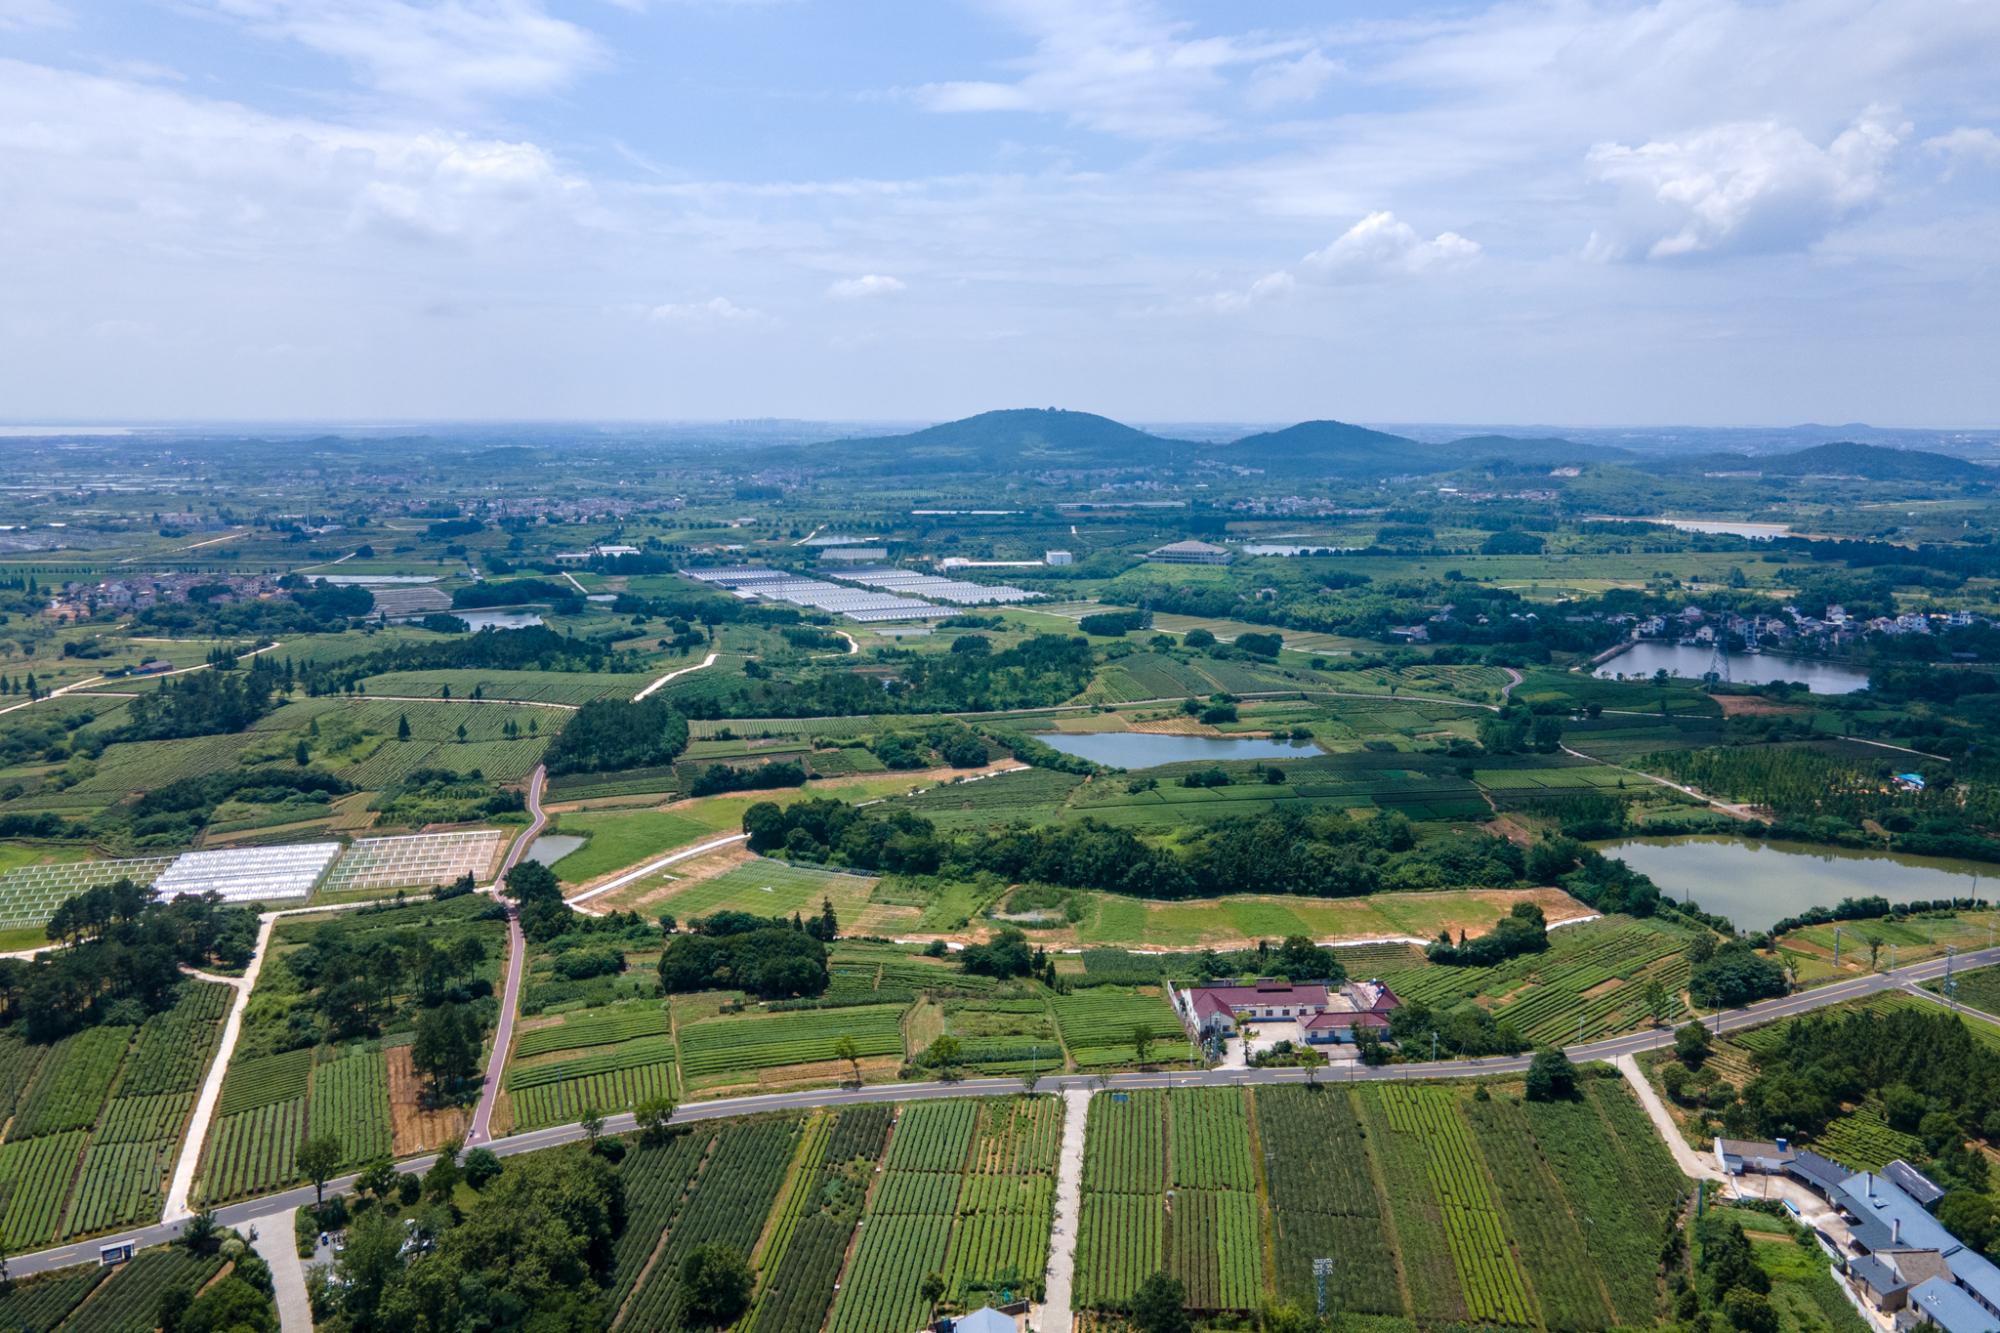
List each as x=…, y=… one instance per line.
x=403, y=727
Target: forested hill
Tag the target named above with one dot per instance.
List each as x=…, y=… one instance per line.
x=1872, y=461
x=1340, y=449
x=1053, y=438
x=1015, y=438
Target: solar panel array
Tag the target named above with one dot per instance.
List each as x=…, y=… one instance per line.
x=421, y=860
x=755, y=582
x=956, y=591
x=30, y=895
x=249, y=874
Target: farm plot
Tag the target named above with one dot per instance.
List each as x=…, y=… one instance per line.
x=1206, y=1231
x=770, y=888
x=73, y=1082
x=807, y=1245
x=735, y=1192
x=30, y=895
x=1000, y=1240
x=723, y=1046
x=130, y=1300
x=1324, y=1201
x=42, y=1303
x=34, y=1179
x=1494, y=1289
x=350, y=1102
x=421, y=860
x=927, y=1152
x=1100, y=1025
x=608, y=1080
x=601, y=1027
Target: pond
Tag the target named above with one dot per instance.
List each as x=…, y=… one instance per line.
x=479, y=620
x=1753, y=531
x=1756, y=884
x=1691, y=662
x=553, y=847
x=1140, y=749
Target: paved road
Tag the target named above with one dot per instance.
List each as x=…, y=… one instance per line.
x=517, y=954
x=1609, y=1048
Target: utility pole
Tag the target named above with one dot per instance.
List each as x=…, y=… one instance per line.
x=1950, y=981
x=1836, y=947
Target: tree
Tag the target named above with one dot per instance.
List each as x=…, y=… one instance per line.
x=202, y=1234
x=444, y=1175
x=1142, y=1041
x=1551, y=1077
x=716, y=1280
x=377, y=1179
x=592, y=1121
x=403, y=727
x=1691, y=1043
x=318, y=1158
x=301, y=754
x=1656, y=1000
x=1750, y=1311
x=446, y=1049
x=653, y=1115
x=846, y=1048
x=480, y=1166
x=1969, y=1215
x=230, y=1306
x=943, y=1055
x=932, y=1289
x=1160, y=1306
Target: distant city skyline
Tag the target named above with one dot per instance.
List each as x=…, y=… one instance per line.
x=1572, y=212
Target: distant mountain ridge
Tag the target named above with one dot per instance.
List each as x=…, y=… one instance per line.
x=1013, y=439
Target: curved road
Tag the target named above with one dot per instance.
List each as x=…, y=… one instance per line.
x=517, y=953
x=1609, y=1048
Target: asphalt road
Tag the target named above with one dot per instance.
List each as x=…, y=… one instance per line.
x=517, y=953
x=1731, y=1020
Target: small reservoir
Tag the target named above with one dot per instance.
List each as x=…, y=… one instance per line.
x=1140, y=749
x=1690, y=662
x=1756, y=884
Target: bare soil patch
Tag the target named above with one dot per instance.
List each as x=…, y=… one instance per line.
x=418, y=1128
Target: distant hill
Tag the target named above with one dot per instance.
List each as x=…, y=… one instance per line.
x=1845, y=459
x=1022, y=437
x=1018, y=438
x=1339, y=449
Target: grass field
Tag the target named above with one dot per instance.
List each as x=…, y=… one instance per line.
x=617, y=840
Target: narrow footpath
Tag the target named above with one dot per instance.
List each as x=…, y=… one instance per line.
x=1054, y=1315
x=211, y=1088
x=276, y=1244
x=660, y=863
x=708, y=661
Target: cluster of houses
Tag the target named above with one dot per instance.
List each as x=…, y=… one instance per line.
x=1790, y=628
x=1898, y=1258
x=1316, y=1012
x=136, y=592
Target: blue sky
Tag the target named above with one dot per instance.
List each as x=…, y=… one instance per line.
x=1689, y=212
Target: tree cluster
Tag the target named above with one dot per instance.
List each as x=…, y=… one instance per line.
x=608, y=734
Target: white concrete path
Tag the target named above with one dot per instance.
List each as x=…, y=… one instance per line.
x=277, y=1245
x=640, y=872
x=1691, y=1163
x=1054, y=1316
x=708, y=661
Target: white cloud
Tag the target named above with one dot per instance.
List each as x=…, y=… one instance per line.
x=1271, y=287
x=453, y=52
x=18, y=14
x=1746, y=186
x=1120, y=67
x=866, y=286
x=1286, y=82
x=1965, y=146
x=212, y=176
x=715, y=310
x=1380, y=246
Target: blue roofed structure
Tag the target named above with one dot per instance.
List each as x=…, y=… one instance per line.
x=1885, y=1219
x=1951, y=1308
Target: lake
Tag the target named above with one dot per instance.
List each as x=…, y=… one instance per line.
x=1141, y=749
x=553, y=847
x=1756, y=884
x=1689, y=662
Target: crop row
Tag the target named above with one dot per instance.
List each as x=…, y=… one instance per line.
x=1547, y=1233
x=1492, y=1282
x=35, y=1176
x=881, y=1291
x=1125, y=1148
x=1214, y=1248
x=1323, y=1201
x=607, y=1093
x=731, y=1199
x=265, y=1081
x=350, y=1101
x=120, y=1184
x=1120, y=1243
x=143, y=1119
x=75, y=1076
x=933, y=1136
x=597, y=1029
x=174, y=1047
x=626, y=1055
x=1211, y=1140
x=799, y=1037
x=254, y=1151
x=655, y=1176
x=130, y=1301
